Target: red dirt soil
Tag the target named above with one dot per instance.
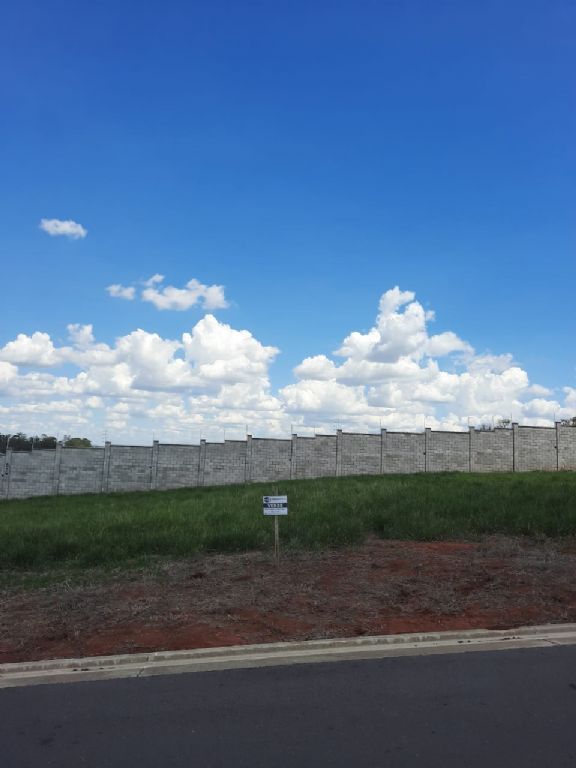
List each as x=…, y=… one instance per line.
x=380, y=587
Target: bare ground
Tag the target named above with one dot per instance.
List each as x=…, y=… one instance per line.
x=380, y=587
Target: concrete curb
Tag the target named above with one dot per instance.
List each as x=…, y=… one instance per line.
x=277, y=654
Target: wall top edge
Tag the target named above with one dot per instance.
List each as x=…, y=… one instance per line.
x=43, y=450
x=219, y=442
x=364, y=434
x=274, y=439
x=409, y=434
x=175, y=445
x=500, y=430
x=122, y=445
x=441, y=432
x=70, y=448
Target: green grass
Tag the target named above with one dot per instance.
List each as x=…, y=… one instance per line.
x=132, y=528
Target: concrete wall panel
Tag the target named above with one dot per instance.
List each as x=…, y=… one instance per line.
x=80, y=470
x=567, y=448
x=130, y=468
x=491, y=451
x=403, y=452
x=447, y=451
x=314, y=456
x=31, y=473
x=270, y=460
x=225, y=463
x=535, y=448
x=177, y=466
x=360, y=454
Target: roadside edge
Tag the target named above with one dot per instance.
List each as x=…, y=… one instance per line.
x=278, y=654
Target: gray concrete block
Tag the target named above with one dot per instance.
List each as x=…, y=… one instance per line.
x=535, y=449
x=403, y=452
x=270, y=460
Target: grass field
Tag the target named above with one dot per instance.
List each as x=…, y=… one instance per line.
x=119, y=529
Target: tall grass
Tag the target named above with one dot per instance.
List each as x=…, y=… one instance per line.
x=114, y=529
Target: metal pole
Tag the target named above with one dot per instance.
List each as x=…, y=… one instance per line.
x=276, y=541
x=276, y=535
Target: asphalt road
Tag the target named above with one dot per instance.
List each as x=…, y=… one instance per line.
x=506, y=708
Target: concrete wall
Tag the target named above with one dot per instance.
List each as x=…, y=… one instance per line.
x=447, y=451
x=314, y=456
x=80, y=470
x=492, y=451
x=534, y=448
x=131, y=468
x=359, y=454
x=225, y=463
x=566, y=447
x=30, y=474
x=403, y=452
x=177, y=466
x=268, y=460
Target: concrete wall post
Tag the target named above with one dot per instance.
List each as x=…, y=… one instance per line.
x=106, y=467
x=514, y=446
x=56, y=470
x=248, y=469
x=7, y=472
x=383, y=436
x=201, y=462
x=471, y=448
x=293, y=449
x=154, y=464
x=338, y=453
x=427, y=446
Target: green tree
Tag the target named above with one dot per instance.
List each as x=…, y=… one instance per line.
x=21, y=442
x=77, y=442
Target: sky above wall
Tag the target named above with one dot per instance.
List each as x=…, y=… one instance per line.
x=221, y=217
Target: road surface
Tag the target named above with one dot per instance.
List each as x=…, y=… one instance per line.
x=472, y=710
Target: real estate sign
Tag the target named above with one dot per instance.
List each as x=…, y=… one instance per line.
x=275, y=505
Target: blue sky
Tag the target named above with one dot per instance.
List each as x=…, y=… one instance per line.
x=306, y=156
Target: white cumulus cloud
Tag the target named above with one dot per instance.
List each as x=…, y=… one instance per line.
x=194, y=292
x=214, y=380
x=34, y=350
x=67, y=228
x=211, y=375
x=392, y=375
x=121, y=291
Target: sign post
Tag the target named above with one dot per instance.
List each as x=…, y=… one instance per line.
x=274, y=506
x=276, y=540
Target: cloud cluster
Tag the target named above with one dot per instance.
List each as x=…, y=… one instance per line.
x=400, y=376
x=142, y=383
x=118, y=291
x=194, y=293
x=214, y=380
x=67, y=228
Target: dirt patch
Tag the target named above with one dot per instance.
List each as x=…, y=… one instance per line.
x=381, y=587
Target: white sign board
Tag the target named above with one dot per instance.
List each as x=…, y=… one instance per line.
x=275, y=505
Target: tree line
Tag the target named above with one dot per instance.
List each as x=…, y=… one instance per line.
x=507, y=424
x=22, y=442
